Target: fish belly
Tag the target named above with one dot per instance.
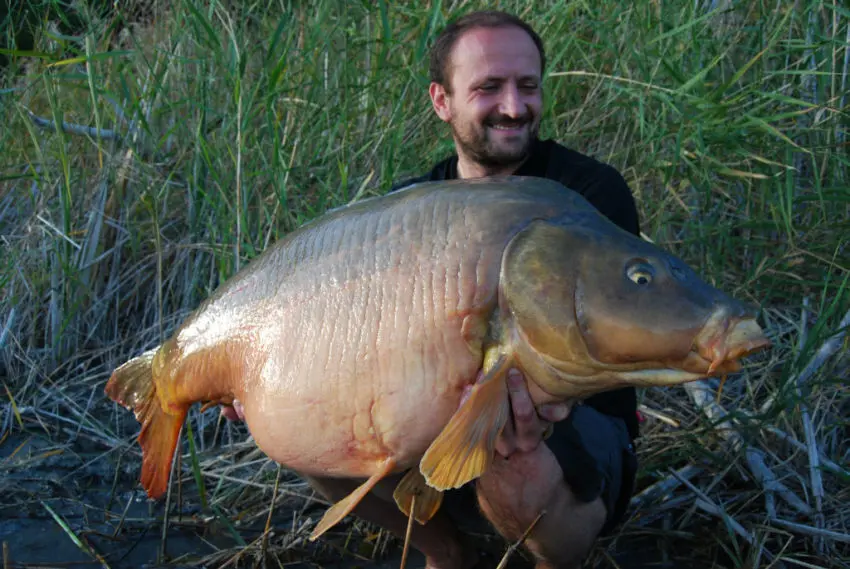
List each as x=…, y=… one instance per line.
x=370, y=372
x=371, y=338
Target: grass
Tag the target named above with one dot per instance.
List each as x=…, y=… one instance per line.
x=208, y=130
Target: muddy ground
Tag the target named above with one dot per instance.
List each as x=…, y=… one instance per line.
x=95, y=491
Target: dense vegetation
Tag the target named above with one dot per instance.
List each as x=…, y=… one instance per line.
x=196, y=134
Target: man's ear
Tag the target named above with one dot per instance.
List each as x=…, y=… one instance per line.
x=440, y=101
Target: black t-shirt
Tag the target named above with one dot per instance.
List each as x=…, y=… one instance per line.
x=602, y=186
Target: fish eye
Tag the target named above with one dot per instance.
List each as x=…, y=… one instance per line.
x=640, y=273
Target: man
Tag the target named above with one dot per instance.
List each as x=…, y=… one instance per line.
x=486, y=70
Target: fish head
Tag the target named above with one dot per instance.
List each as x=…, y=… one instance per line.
x=592, y=307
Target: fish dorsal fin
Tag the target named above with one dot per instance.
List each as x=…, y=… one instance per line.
x=428, y=500
x=464, y=448
x=338, y=511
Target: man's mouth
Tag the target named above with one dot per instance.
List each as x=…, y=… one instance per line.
x=508, y=127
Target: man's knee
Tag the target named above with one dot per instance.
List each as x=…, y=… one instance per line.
x=565, y=532
x=566, y=538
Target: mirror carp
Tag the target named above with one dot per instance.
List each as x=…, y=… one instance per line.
x=350, y=341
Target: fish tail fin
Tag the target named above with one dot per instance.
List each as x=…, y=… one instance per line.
x=132, y=385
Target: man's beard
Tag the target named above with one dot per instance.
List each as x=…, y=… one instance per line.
x=479, y=147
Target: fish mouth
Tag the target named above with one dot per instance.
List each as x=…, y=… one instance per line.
x=724, y=341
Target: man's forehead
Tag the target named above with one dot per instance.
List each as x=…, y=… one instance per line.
x=499, y=51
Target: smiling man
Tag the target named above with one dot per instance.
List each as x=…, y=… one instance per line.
x=486, y=83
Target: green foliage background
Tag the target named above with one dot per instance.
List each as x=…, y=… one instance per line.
x=199, y=132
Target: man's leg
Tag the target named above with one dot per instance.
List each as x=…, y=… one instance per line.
x=581, y=477
x=516, y=490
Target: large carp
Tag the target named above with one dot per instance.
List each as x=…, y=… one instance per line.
x=349, y=342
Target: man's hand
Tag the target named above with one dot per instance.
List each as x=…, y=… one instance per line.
x=528, y=424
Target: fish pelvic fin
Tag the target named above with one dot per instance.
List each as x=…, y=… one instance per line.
x=464, y=448
x=132, y=386
x=338, y=511
x=428, y=500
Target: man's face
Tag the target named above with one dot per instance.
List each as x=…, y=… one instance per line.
x=495, y=100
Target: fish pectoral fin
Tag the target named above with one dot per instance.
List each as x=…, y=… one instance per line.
x=464, y=448
x=338, y=511
x=428, y=500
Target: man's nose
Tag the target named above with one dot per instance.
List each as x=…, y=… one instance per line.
x=511, y=103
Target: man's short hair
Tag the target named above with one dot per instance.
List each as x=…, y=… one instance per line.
x=441, y=51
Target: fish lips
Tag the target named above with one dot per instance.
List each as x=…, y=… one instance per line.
x=724, y=341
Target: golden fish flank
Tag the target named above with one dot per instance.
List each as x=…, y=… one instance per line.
x=387, y=309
